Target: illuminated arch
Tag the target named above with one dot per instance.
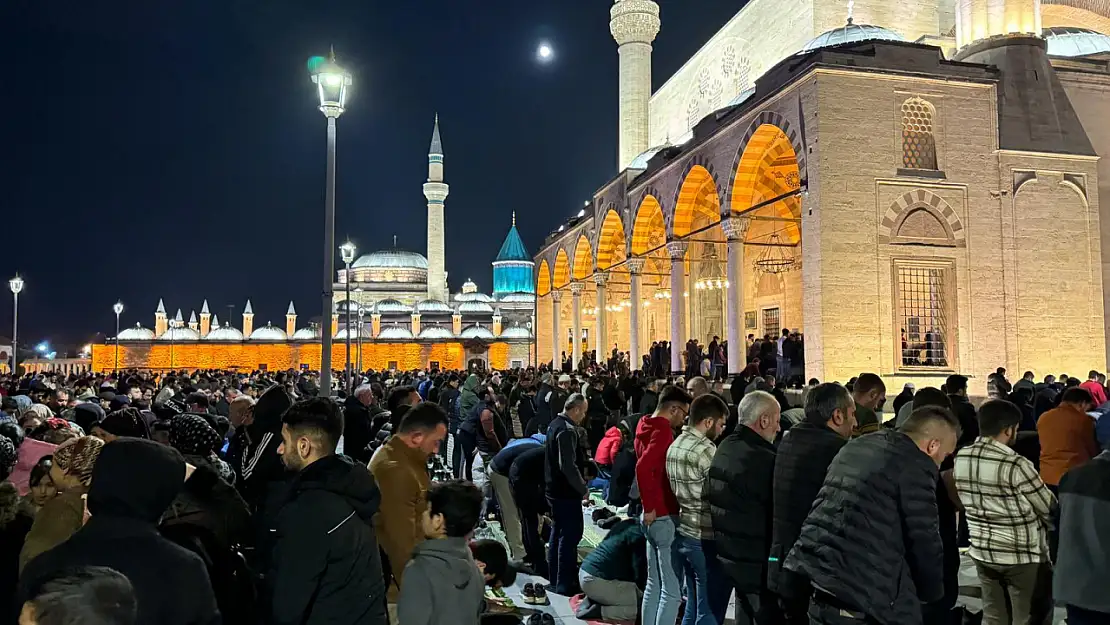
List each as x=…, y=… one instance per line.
x=649, y=230
x=696, y=198
x=768, y=168
x=561, y=275
x=543, y=279
x=611, y=242
x=583, y=259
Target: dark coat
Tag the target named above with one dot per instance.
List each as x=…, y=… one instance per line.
x=357, y=435
x=872, y=538
x=804, y=455
x=15, y=521
x=969, y=421
x=739, y=494
x=133, y=483
x=325, y=566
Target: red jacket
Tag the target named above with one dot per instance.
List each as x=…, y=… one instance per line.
x=1067, y=441
x=1095, y=389
x=608, y=447
x=653, y=437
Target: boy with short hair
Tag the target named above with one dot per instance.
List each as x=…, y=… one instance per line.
x=493, y=562
x=443, y=584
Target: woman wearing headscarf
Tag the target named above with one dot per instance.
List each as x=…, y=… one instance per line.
x=124, y=422
x=197, y=440
x=63, y=515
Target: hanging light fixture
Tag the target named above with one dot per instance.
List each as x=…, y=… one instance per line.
x=663, y=294
x=777, y=257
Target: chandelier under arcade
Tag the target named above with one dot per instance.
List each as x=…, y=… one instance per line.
x=776, y=257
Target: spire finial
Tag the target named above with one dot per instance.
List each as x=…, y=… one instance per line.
x=437, y=145
x=514, y=219
x=394, y=241
x=851, y=10
x=331, y=54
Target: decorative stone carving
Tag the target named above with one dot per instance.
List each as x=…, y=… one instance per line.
x=557, y=296
x=735, y=228
x=636, y=265
x=576, y=288
x=677, y=249
x=633, y=21
x=601, y=279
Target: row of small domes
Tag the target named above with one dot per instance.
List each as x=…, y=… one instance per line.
x=271, y=333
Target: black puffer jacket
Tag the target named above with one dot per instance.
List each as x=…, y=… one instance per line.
x=803, y=458
x=739, y=495
x=872, y=538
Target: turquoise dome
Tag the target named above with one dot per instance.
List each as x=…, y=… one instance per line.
x=1073, y=41
x=850, y=33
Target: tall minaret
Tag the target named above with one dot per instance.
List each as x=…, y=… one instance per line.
x=982, y=19
x=634, y=25
x=436, y=192
x=248, y=319
x=161, y=322
x=205, y=319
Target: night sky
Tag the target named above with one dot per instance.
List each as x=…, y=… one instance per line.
x=174, y=149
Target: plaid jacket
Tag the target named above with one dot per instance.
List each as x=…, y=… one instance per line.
x=688, y=460
x=1007, y=505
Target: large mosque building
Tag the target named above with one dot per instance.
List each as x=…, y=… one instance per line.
x=399, y=315
x=913, y=185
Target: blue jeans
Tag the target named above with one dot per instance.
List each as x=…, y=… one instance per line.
x=562, y=550
x=707, y=590
x=663, y=593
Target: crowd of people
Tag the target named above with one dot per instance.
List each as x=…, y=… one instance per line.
x=209, y=497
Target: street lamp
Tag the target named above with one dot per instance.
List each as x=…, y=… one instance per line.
x=347, y=253
x=358, y=326
x=118, y=309
x=16, y=285
x=331, y=85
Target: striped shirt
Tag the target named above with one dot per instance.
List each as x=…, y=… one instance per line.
x=688, y=460
x=1007, y=505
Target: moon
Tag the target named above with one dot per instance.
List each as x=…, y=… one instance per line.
x=545, y=52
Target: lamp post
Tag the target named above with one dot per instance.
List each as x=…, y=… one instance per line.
x=118, y=309
x=331, y=85
x=347, y=253
x=359, y=330
x=16, y=285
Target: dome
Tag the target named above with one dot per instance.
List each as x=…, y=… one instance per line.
x=472, y=297
x=138, y=333
x=311, y=333
x=475, y=307
x=476, y=332
x=226, y=333
x=641, y=161
x=516, y=332
x=180, y=334
x=517, y=298
x=1072, y=41
x=435, y=332
x=395, y=332
x=433, y=307
x=391, y=259
x=341, y=306
x=742, y=97
x=342, y=334
x=392, y=306
x=269, y=333
x=850, y=33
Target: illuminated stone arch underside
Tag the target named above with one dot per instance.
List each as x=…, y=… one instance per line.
x=543, y=279
x=611, y=246
x=560, y=276
x=583, y=262
x=697, y=204
x=769, y=167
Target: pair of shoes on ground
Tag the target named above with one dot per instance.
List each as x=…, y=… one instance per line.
x=540, y=618
x=601, y=514
x=535, y=594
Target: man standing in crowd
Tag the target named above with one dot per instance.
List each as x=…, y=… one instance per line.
x=870, y=546
x=688, y=461
x=869, y=393
x=1008, y=509
x=325, y=566
x=1095, y=388
x=359, y=411
x=654, y=436
x=956, y=386
x=400, y=468
x=565, y=489
x=739, y=495
x=803, y=458
x=1067, y=435
x=1082, y=566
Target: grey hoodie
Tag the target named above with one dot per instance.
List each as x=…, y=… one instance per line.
x=442, y=586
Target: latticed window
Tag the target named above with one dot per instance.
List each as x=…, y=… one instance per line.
x=772, y=324
x=924, y=313
x=919, y=148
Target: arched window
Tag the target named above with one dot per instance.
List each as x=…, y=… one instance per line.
x=919, y=147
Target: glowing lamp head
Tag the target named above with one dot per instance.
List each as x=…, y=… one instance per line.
x=545, y=52
x=42, y=347
x=332, y=82
x=16, y=284
x=347, y=252
x=117, y=308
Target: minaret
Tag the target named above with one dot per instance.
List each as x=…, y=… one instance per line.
x=161, y=323
x=435, y=190
x=291, y=320
x=178, y=320
x=634, y=25
x=215, y=322
x=194, y=325
x=983, y=19
x=248, y=319
x=205, y=319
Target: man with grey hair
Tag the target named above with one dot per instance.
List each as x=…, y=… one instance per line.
x=697, y=386
x=739, y=494
x=565, y=488
x=358, y=416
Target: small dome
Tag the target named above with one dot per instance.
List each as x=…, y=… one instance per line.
x=850, y=33
x=476, y=307
x=469, y=287
x=433, y=307
x=435, y=332
x=310, y=333
x=516, y=332
x=342, y=334
x=225, y=333
x=269, y=333
x=517, y=298
x=392, y=306
x=391, y=259
x=138, y=333
x=641, y=161
x=341, y=306
x=476, y=332
x=1072, y=41
x=395, y=333
x=472, y=297
x=180, y=334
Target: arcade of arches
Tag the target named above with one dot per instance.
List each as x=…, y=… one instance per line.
x=718, y=270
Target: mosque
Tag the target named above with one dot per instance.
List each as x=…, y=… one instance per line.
x=914, y=186
x=399, y=315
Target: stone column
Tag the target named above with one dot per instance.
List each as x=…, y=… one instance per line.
x=600, y=343
x=634, y=25
x=576, y=289
x=556, y=360
x=735, y=229
x=635, y=357
x=677, y=251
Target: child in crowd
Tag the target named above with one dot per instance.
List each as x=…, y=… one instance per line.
x=493, y=562
x=443, y=584
x=84, y=595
